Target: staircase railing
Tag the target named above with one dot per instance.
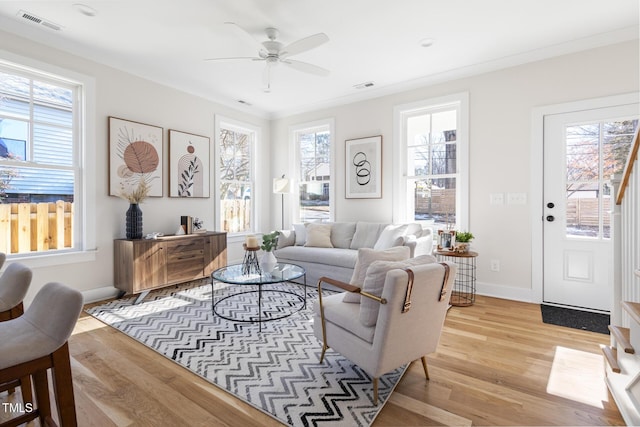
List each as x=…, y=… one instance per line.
x=628, y=199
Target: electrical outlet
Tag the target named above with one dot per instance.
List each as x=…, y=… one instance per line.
x=495, y=265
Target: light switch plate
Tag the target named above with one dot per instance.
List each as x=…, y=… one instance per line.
x=516, y=198
x=496, y=198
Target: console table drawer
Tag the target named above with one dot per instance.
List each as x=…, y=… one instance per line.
x=185, y=250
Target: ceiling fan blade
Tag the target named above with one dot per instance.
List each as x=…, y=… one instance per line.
x=306, y=67
x=245, y=34
x=235, y=58
x=304, y=45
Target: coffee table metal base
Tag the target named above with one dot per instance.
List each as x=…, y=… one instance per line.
x=259, y=317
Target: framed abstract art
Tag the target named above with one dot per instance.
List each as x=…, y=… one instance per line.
x=135, y=155
x=188, y=164
x=363, y=168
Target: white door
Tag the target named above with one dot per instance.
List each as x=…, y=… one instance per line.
x=581, y=151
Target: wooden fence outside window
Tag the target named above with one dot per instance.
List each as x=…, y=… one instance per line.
x=35, y=227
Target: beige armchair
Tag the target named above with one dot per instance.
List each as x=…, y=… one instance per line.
x=398, y=320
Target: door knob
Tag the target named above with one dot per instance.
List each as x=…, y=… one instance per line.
x=550, y=218
x=550, y=205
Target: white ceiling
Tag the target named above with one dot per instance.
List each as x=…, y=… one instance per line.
x=370, y=40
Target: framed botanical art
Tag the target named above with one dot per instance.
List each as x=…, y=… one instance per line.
x=135, y=155
x=363, y=168
x=188, y=164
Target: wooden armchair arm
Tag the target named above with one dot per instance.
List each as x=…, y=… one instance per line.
x=349, y=288
x=342, y=285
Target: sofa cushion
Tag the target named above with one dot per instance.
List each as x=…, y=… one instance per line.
x=392, y=235
x=319, y=235
x=342, y=234
x=414, y=229
x=329, y=256
x=366, y=234
x=366, y=256
x=301, y=234
x=374, y=283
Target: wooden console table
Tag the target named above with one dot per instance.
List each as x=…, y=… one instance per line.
x=145, y=264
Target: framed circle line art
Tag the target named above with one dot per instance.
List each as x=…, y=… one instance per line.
x=363, y=168
x=135, y=155
x=188, y=165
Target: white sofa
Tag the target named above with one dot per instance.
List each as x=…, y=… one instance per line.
x=331, y=248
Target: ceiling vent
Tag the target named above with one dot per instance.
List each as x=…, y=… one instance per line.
x=39, y=21
x=363, y=85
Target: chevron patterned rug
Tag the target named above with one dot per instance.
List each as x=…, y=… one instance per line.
x=275, y=370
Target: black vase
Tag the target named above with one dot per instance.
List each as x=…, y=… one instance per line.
x=134, y=222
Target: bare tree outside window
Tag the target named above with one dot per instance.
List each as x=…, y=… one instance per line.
x=594, y=152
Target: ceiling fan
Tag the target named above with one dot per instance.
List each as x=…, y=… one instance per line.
x=274, y=52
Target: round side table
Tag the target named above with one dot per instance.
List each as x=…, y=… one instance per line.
x=464, y=287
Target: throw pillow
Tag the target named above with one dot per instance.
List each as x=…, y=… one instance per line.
x=286, y=238
x=342, y=234
x=374, y=284
x=392, y=235
x=365, y=257
x=319, y=235
x=301, y=234
x=366, y=234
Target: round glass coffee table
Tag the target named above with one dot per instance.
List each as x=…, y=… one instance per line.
x=284, y=301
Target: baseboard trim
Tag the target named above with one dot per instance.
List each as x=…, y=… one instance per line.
x=99, y=294
x=505, y=292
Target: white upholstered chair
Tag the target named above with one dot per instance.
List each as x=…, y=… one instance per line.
x=36, y=342
x=400, y=324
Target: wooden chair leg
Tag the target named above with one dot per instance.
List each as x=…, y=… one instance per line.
x=63, y=387
x=41, y=387
x=375, y=391
x=25, y=388
x=424, y=366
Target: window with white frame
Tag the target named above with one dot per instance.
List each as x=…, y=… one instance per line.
x=236, y=173
x=41, y=162
x=433, y=160
x=314, y=170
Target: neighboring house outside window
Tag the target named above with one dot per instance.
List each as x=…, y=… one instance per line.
x=432, y=161
x=313, y=150
x=41, y=141
x=236, y=176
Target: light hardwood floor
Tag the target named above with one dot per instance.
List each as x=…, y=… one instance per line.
x=497, y=364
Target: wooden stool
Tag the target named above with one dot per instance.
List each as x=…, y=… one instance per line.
x=36, y=342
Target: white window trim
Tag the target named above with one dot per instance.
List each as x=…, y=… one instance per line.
x=228, y=123
x=294, y=162
x=85, y=184
x=400, y=213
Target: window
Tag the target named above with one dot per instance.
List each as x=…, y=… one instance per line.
x=314, y=164
x=594, y=152
x=432, y=158
x=41, y=166
x=236, y=172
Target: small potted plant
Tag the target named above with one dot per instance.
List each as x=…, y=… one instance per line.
x=463, y=241
x=268, y=260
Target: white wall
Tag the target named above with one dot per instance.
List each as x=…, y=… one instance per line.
x=500, y=133
x=126, y=96
x=500, y=112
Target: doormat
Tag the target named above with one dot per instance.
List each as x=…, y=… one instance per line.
x=277, y=370
x=576, y=319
